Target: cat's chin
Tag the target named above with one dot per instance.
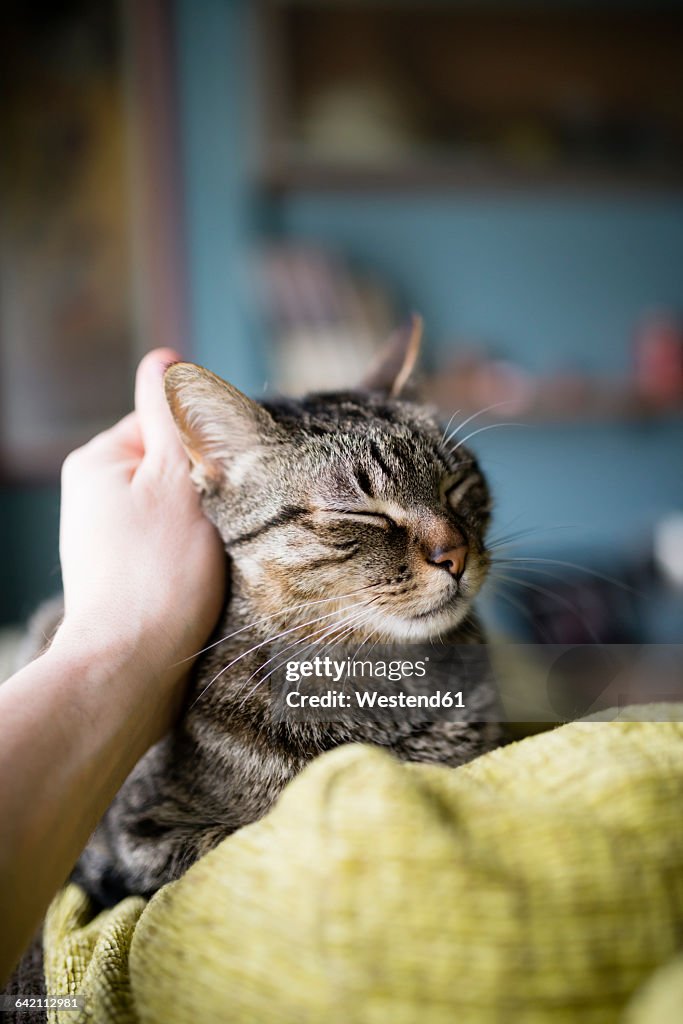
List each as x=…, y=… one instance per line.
x=428, y=625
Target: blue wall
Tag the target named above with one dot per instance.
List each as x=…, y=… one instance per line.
x=551, y=282
x=29, y=525
x=214, y=86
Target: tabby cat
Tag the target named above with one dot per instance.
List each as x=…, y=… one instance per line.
x=342, y=514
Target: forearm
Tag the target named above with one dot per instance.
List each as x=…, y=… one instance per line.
x=143, y=575
x=73, y=726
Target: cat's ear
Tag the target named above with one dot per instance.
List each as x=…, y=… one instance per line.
x=397, y=360
x=216, y=422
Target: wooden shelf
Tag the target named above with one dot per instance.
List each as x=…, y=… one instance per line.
x=601, y=404
x=434, y=96
x=308, y=173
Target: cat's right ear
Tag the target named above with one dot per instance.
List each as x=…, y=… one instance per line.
x=216, y=422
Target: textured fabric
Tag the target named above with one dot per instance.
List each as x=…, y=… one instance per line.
x=542, y=882
x=660, y=999
x=90, y=957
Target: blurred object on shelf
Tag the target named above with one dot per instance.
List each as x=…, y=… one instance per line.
x=357, y=121
x=451, y=94
x=473, y=381
x=529, y=142
x=326, y=321
x=474, y=378
x=668, y=548
x=659, y=358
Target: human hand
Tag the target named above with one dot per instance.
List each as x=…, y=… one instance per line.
x=143, y=569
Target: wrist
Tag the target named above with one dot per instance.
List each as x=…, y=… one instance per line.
x=116, y=675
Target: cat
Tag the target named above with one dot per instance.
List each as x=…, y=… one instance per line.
x=343, y=514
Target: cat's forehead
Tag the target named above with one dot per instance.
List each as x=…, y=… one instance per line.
x=349, y=439
x=384, y=444
x=389, y=452
x=380, y=457
x=352, y=418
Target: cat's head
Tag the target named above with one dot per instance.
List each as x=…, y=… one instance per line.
x=341, y=507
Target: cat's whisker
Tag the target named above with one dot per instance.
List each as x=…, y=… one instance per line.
x=340, y=638
x=555, y=576
x=324, y=644
x=516, y=570
x=361, y=645
x=263, y=643
x=358, y=650
x=274, y=615
x=352, y=628
x=474, y=416
x=322, y=629
x=505, y=540
x=568, y=565
x=556, y=597
x=309, y=640
x=519, y=605
x=260, y=682
x=481, y=430
x=351, y=621
x=277, y=654
x=448, y=426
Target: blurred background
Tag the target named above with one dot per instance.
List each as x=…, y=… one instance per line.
x=273, y=186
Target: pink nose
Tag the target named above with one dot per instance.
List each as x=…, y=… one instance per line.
x=453, y=559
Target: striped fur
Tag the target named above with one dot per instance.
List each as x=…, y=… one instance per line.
x=328, y=507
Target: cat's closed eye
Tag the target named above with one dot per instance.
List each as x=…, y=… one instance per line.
x=379, y=518
x=368, y=517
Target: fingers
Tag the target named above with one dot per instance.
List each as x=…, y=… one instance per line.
x=125, y=436
x=149, y=431
x=159, y=434
x=120, y=443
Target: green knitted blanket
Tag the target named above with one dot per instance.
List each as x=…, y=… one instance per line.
x=542, y=882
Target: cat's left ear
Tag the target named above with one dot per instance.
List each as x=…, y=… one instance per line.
x=397, y=360
x=216, y=422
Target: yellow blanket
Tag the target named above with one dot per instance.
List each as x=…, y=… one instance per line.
x=542, y=882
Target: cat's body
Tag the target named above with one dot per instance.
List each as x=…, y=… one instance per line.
x=349, y=519
x=225, y=765
x=329, y=513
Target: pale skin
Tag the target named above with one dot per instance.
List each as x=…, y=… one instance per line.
x=143, y=575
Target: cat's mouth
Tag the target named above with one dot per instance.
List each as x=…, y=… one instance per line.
x=426, y=623
x=447, y=602
x=434, y=614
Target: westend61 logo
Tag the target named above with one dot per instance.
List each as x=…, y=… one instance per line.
x=413, y=683
x=348, y=668
x=352, y=686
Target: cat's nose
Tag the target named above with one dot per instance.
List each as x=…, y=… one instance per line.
x=453, y=559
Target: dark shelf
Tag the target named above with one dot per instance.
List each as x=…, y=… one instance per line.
x=306, y=173
x=435, y=96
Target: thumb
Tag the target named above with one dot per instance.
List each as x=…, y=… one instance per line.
x=159, y=434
